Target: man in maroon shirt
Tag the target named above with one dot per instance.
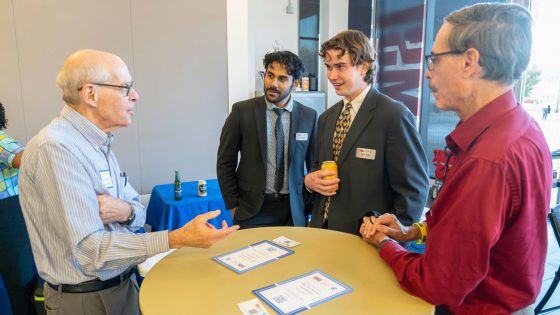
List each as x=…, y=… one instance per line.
x=486, y=234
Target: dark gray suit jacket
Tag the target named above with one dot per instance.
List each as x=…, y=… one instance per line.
x=396, y=181
x=244, y=132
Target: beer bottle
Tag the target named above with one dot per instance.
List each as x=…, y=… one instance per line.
x=177, y=184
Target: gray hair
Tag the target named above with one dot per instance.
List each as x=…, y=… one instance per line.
x=83, y=66
x=500, y=32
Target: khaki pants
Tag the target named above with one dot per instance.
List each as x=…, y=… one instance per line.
x=117, y=300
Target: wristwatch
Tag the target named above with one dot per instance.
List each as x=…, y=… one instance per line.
x=131, y=217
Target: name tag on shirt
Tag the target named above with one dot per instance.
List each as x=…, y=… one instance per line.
x=363, y=153
x=301, y=136
x=106, y=179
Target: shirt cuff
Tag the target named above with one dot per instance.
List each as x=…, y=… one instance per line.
x=388, y=249
x=12, y=156
x=157, y=242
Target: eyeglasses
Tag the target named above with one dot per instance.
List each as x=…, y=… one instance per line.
x=431, y=59
x=127, y=86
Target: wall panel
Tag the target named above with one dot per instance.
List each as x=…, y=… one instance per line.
x=176, y=53
x=10, y=88
x=180, y=51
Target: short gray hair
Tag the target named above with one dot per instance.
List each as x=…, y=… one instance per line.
x=500, y=32
x=83, y=66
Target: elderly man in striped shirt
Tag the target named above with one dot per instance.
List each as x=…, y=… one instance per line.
x=80, y=214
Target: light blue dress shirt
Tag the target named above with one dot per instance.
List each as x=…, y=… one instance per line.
x=61, y=176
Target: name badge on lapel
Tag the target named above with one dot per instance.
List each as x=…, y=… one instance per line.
x=363, y=153
x=106, y=179
x=301, y=136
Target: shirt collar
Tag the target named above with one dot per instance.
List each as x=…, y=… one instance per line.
x=358, y=100
x=91, y=132
x=467, y=132
x=289, y=107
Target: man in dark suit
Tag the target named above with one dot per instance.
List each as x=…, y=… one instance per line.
x=275, y=136
x=373, y=139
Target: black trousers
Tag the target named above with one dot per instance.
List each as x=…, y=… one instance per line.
x=16, y=265
x=441, y=310
x=272, y=213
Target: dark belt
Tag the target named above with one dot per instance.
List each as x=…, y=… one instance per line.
x=276, y=197
x=93, y=285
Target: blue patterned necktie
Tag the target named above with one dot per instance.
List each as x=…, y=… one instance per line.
x=279, y=132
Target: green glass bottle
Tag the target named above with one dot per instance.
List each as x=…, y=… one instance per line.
x=177, y=184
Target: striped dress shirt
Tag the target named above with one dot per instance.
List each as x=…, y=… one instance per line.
x=64, y=168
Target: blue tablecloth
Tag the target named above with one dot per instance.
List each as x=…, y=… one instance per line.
x=166, y=213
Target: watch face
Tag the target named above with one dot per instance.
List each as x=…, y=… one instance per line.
x=132, y=216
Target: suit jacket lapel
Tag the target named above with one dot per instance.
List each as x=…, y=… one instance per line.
x=260, y=118
x=362, y=119
x=294, y=123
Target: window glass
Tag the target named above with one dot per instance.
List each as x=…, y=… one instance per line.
x=435, y=124
x=309, y=34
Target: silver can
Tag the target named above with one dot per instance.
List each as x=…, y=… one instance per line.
x=202, y=188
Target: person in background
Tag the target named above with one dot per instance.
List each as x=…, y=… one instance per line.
x=16, y=265
x=545, y=111
x=80, y=213
x=486, y=234
x=373, y=140
x=275, y=136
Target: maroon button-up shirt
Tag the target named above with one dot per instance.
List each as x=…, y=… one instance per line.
x=487, y=231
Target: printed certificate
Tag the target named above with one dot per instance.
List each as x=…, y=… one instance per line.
x=301, y=293
x=252, y=256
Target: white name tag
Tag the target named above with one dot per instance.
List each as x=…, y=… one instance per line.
x=252, y=307
x=363, y=153
x=301, y=136
x=106, y=178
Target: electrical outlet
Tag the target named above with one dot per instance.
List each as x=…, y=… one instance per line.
x=289, y=9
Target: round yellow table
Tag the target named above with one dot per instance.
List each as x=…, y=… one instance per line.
x=188, y=281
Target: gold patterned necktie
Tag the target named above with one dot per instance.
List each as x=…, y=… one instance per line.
x=342, y=126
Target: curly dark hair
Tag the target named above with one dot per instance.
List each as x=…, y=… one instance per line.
x=294, y=65
x=3, y=120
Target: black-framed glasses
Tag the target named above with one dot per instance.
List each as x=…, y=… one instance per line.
x=431, y=58
x=127, y=86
